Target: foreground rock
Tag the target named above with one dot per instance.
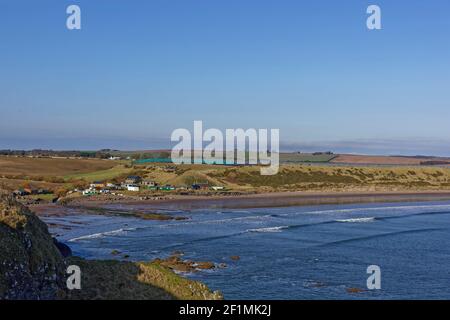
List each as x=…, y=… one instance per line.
x=174, y=262
x=136, y=281
x=32, y=266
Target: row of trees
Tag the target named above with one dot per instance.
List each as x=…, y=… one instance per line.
x=101, y=154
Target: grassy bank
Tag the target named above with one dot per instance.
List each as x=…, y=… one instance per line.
x=135, y=281
x=325, y=178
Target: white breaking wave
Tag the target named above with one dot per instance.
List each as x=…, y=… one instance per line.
x=352, y=210
x=102, y=234
x=357, y=220
x=268, y=229
x=220, y=221
x=414, y=207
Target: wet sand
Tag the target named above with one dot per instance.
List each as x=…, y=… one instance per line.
x=281, y=199
x=287, y=199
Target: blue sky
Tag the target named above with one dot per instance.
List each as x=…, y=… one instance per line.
x=140, y=69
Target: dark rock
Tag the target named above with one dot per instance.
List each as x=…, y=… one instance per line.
x=354, y=290
x=177, y=253
x=31, y=266
x=205, y=265
x=63, y=248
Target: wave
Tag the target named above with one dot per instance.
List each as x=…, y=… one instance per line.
x=357, y=220
x=268, y=229
x=382, y=235
x=212, y=221
x=353, y=210
x=206, y=239
x=102, y=234
x=409, y=207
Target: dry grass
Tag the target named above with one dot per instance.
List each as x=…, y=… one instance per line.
x=306, y=177
x=12, y=184
x=326, y=178
x=108, y=280
x=379, y=160
x=29, y=167
x=54, y=174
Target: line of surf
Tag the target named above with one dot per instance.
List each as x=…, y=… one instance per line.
x=102, y=234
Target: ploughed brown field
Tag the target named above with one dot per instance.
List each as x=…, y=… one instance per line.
x=27, y=166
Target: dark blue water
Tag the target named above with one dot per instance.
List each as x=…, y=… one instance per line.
x=316, y=252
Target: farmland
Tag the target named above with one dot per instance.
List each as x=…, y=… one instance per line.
x=298, y=172
x=55, y=173
x=32, y=167
x=101, y=175
x=383, y=160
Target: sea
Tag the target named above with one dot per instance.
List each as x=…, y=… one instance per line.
x=288, y=253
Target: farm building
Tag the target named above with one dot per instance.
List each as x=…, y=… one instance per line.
x=167, y=188
x=20, y=192
x=133, y=187
x=152, y=160
x=149, y=183
x=31, y=190
x=97, y=185
x=113, y=186
x=133, y=180
x=200, y=186
x=89, y=192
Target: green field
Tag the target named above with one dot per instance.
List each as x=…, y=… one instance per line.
x=101, y=175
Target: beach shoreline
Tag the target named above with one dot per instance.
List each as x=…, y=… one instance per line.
x=260, y=200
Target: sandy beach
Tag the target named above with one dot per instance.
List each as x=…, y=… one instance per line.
x=287, y=199
x=263, y=200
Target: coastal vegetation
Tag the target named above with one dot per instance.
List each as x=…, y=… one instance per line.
x=308, y=178
x=112, y=279
x=61, y=175
x=303, y=178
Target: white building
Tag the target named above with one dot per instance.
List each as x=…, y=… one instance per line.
x=113, y=186
x=132, y=187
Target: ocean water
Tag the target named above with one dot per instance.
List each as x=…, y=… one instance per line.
x=314, y=252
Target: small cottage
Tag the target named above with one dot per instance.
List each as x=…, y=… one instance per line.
x=133, y=187
x=133, y=180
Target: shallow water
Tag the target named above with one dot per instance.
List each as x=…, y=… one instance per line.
x=315, y=252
